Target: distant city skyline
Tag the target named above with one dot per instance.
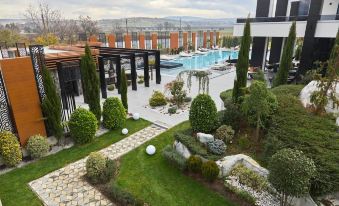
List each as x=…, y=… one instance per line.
x=71, y=9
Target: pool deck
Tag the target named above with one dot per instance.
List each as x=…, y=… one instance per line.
x=137, y=100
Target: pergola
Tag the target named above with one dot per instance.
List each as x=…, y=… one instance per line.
x=116, y=54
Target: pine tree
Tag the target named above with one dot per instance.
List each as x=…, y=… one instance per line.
x=123, y=89
x=90, y=83
x=286, y=59
x=51, y=106
x=242, y=65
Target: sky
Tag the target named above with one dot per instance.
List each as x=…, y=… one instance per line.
x=111, y=9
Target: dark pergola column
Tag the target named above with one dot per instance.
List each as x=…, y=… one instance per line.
x=276, y=47
x=146, y=70
x=118, y=72
x=157, y=67
x=133, y=73
x=102, y=77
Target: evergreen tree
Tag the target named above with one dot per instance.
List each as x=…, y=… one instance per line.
x=286, y=59
x=123, y=89
x=243, y=63
x=51, y=106
x=90, y=83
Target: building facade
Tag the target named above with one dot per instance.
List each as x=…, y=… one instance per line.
x=317, y=21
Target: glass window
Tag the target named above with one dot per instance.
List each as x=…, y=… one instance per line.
x=120, y=41
x=134, y=40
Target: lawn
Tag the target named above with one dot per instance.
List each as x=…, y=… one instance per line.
x=153, y=180
x=14, y=189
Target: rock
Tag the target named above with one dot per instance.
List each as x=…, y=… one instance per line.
x=303, y=201
x=182, y=149
x=124, y=131
x=203, y=138
x=136, y=116
x=227, y=163
x=150, y=150
x=52, y=140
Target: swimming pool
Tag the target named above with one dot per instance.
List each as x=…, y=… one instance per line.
x=200, y=62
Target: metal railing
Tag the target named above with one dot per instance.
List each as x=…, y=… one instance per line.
x=274, y=19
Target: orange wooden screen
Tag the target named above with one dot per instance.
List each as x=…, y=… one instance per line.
x=23, y=96
x=128, y=41
x=174, y=38
x=154, y=41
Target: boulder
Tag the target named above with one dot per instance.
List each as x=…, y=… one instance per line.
x=227, y=163
x=182, y=149
x=204, y=138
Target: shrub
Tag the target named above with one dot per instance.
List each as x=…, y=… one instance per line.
x=217, y=147
x=226, y=95
x=244, y=142
x=157, y=99
x=290, y=174
x=225, y=133
x=114, y=113
x=290, y=89
x=250, y=178
x=82, y=125
x=210, y=170
x=173, y=157
x=231, y=115
x=10, y=149
x=240, y=193
x=122, y=196
x=194, y=163
x=176, y=89
x=203, y=114
x=37, y=146
x=99, y=168
x=110, y=87
x=292, y=126
x=172, y=110
x=195, y=147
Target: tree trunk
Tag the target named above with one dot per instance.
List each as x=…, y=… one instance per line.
x=258, y=128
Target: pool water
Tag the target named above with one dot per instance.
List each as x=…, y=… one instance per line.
x=200, y=62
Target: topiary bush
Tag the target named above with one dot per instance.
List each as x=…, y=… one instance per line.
x=10, y=149
x=217, y=147
x=99, y=168
x=225, y=133
x=114, y=113
x=37, y=146
x=194, y=163
x=82, y=125
x=110, y=87
x=157, y=99
x=203, y=114
x=210, y=170
x=172, y=156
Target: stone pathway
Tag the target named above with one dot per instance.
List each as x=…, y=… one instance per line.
x=67, y=186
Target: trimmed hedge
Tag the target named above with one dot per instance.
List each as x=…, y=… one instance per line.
x=10, y=149
x=121, y=196
x=203, y=114
x=292, y=126
x=210, y=170
x=290, y=89
x=83, y=125
x=114, y=113
x=195, y=147
x=37, y=146
x=194, y=163
x=226, y=95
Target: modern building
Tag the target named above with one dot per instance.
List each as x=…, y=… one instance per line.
x=317, y=21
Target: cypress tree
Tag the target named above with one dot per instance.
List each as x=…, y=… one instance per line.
x=286, y=59
x=123, y=88
x=90, y=83
x=51, y=105
x=243, y=63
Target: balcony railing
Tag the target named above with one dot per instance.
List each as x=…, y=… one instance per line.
x=329, y=17
x=274, y=19
x=287, y=18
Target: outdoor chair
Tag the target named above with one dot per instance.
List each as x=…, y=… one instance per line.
x=21, y=49
x=4, y=50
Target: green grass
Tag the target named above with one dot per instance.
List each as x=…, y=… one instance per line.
x=14, y=189
x=153, y=180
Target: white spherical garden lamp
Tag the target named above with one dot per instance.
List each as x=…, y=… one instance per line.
x=124, y=131
x=136, y=116
x=150, y=150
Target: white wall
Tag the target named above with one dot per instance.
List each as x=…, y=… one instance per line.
x=327, y=29
x=330, y=7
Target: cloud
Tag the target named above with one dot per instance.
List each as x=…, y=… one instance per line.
x=136, y=8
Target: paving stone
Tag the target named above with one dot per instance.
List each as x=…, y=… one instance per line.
x=67, y=186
